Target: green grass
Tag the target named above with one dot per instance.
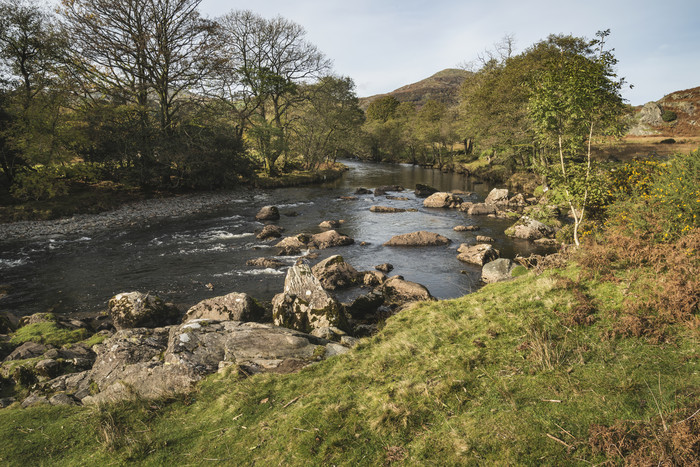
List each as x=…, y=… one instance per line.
x=493, y=377
x=49, y=333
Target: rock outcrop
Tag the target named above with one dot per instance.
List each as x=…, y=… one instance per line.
x=421, y=238
x=498, y=197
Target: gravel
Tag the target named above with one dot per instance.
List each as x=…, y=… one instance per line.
x=133, y=214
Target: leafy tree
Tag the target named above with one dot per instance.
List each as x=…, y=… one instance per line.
x=328, y=122
x=32, y=91
x=382, y=109
x=577, y=96
x=262, y=64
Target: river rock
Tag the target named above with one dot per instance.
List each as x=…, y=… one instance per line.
x=517, y=201
x=330, y=239
x=398, y=292
x=530, y=229
x=292, y=246
x=363, y=191
x=136, y=309
x=481, y=209
x=389, y=209
x=334, y=273
x=466, y=228
x=267, y=263
x=365, y=305
x=373, y=278
x=330, y=224
x=423, y=191
x=8, y=322
x=397, y=198
x=305, y=304
x=270, y=231
x=421, y=238
x=442, y=200
x=268, y=213
x=386, y=268
x=382, y=190
x=484, y=239
x=497, y=270
x=497, y=196
x=477, y=254
x=232, y=307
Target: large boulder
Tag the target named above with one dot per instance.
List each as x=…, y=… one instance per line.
x=442, y=200
x=530, y=229
x=305, y=305
x=136, y=309
x=421, y=238
x=329, y=239
x=477, y=254
x=365, y=305
x=498, y=270
x=423, y=191
x=232, y=307
x=270, y=231
x=497, y=196
x=334, y=273
x=268, y=213
x=398, y=292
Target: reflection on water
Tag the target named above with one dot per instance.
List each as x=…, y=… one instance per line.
x=175, y=259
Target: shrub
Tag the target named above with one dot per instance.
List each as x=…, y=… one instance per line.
x=41, y=184
x=668, y=116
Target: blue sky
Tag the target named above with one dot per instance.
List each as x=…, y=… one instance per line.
x=385, y=44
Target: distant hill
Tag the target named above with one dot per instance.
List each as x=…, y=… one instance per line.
x=442, y=86
x=649, y=118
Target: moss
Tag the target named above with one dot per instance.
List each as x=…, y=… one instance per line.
x=48, y=333
x=518, y=271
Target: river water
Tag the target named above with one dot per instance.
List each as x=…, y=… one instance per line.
x=176, y=258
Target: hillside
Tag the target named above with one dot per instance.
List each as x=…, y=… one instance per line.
x=675, y=115
x=442, y=86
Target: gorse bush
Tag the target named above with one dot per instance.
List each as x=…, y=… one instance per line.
x=657, y=200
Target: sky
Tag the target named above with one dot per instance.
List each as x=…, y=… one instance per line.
x=385, y=44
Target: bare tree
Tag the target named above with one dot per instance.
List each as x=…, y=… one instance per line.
x=263, y=63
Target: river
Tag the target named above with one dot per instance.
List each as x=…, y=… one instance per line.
x=176, y=258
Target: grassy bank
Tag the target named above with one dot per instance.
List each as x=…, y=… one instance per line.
x=536, y=371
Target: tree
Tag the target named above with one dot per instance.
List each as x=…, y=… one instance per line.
x=32, y=89
x=328, y=122
x=577, y=97
x=263, y=63
x=382, y=109
x=143, y=57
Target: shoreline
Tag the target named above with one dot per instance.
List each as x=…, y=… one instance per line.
x=148, y=210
